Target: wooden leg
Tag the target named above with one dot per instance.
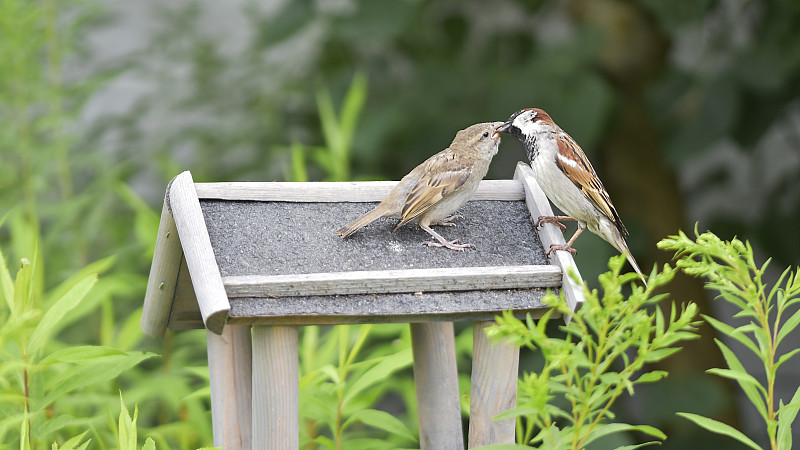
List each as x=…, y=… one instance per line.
x=436, y=380
x=276, y=390
x=229, y=367
x=494, y=389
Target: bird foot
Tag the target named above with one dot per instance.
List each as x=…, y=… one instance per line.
x=448, y=221
x=565, y=247
x=452, y=245
x=552, y=219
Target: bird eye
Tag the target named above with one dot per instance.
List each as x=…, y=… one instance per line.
x=485, y=134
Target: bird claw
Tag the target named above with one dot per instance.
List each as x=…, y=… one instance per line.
x=452, y=245
x=448, y=221
x=566, y=248
x=550, y=219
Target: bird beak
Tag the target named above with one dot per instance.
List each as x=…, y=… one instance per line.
x=501, y=128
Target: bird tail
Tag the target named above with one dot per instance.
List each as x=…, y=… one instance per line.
x=629, y=256
x=356, y=224
x=614, y=236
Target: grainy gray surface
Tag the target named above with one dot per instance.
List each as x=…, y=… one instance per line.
x=277, y=238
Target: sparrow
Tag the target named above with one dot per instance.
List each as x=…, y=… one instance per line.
x=439, y=186
x=568, y=179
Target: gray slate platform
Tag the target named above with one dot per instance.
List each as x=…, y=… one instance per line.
x=277, y=238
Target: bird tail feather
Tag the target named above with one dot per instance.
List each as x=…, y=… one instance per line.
x=629, y=256
x=356, y=224
x=616, y=239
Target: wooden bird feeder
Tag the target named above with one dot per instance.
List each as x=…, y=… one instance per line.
x=250, y=262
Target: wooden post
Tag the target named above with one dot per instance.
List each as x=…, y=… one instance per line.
x=436, y=380
x=229, y=365
x=494, y=388
x=276, y=388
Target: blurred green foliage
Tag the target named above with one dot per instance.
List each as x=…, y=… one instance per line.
x=356, y=89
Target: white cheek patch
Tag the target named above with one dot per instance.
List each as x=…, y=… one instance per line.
x=528, y=127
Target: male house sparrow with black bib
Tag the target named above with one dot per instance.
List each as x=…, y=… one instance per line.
x=439, y=186
x=568, y=179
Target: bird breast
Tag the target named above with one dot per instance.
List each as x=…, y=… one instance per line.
x=555, y=184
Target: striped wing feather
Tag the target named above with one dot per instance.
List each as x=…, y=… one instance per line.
x=573, y=162
x=443, y=174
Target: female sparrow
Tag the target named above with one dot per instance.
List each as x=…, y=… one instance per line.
x=438, y=186
x=568, y=179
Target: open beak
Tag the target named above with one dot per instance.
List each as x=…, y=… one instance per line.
x=501, y=129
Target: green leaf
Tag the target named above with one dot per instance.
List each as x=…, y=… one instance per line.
x=50, y=321
x=98, y=371
x=126, y=431
x=150, y=444
x=651, y=377
x=22, y=288
x=94, y=268
x=611, y=428
x=734, y=375
x=633, y=447
x=80, y=353
x=353, y=103
x=786, y=416
x=381, y=420
x=749, y=389
x=788, y=326
x=298, y=172
x=785, y=357
x=380, y=372
x=720, y=428
x=73, y=443
x=735, y=333
x=6, y=283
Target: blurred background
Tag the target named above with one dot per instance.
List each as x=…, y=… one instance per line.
x=688, y=109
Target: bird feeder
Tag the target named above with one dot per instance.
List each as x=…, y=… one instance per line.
x=252, y=262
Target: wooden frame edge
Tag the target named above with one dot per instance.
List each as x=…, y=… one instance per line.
x=539, y=205
x=200, y=260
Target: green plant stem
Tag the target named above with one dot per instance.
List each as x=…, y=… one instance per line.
x=761, y=307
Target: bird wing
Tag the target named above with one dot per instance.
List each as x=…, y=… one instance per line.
x=442, y=174
x=573, y=162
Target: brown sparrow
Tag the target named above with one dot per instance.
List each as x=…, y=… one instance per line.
x=568, y=179
x=438, y=186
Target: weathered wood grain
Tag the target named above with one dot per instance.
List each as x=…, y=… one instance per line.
x=229, y=364
x=163, y=276
x=191, y=226
x=276, y=391
x=495, y=368
x=436, y=381
x=550, y=234
x=347, y=191
x=185, y=314
x=391, y=281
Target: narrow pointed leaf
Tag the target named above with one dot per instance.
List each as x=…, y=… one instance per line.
x=786, y=417
x=381, y=371
x=749, y=390
x=720, y=428
x=788, y=327
x=382, y=420
x=50, y=321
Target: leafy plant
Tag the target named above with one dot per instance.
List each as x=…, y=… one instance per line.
x=338, y=131
x=567, y=404
x=771, y=314
x=338, y=390
x=41, y=380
